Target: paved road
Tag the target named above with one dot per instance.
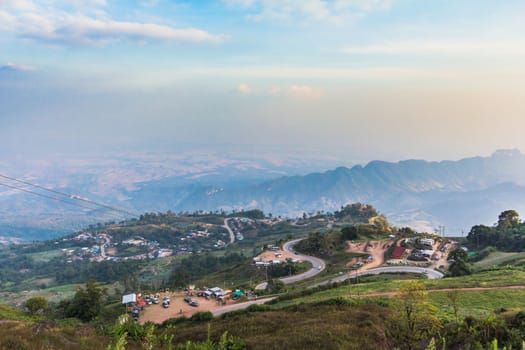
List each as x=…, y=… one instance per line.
x=239, y=306
x=318, y=265
x=432, y=274
x=232, y=235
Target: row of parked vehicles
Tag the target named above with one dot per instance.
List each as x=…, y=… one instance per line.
x=155, y=300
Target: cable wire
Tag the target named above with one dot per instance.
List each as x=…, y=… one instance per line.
x=68, y=195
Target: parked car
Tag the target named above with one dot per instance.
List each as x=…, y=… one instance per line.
x=135, y=314
x=148, y=301
x=194, y=303
x=187, y=299
x=155, y=300
x=165, y=304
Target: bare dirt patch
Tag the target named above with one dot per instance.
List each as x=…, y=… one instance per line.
x=376, y=249
x=280, y=255
x=156, y=313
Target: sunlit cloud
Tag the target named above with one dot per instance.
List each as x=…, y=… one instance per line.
x=298, y=91
x=243, y=89
x=58, y=26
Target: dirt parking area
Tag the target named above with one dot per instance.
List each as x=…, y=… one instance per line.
x=270, y=255
x=178, y=307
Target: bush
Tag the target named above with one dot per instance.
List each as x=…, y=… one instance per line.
x=36, y=305
x=202, y=316
x=482, y=254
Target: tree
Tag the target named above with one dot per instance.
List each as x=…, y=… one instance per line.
x=414, y=318
x=460, y=266
x=275, y=286
x=481, y=235
x=349, y=233
x=508, y=219
x=453, y=298
x=36, y=305
x=457, y=254
x=87, y=303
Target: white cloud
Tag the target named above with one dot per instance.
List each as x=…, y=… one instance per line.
x=9, y=66
x=54, y=24
x=298, y=91
x=304, y=91
x=439, y=47
x=243, y=89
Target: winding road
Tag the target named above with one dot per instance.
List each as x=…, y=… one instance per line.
x=432, y=274
x=318, y=266
x=240, y=306
x=230, y=231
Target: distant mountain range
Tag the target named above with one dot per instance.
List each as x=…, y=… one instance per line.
x=417, y=193
x=455, y=194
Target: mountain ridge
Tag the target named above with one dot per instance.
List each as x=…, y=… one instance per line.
x=414, y=192
x=415, y=184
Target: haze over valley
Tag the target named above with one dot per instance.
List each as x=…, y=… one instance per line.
x=421, y=194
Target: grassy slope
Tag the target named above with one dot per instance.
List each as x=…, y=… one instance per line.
x=478, y=302
x=302, y=327
x=499, y=258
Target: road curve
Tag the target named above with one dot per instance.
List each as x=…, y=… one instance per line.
x=432, y=274
x=318, y=265
x=232, y=235
x=239, y=306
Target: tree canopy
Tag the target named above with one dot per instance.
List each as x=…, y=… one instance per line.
x=507, y=235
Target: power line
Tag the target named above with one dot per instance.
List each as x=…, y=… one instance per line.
x=46, y=196
x=68, y=195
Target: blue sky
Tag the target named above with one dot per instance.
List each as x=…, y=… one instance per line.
x=387, y=79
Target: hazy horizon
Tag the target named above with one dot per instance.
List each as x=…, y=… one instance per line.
x=354, y=80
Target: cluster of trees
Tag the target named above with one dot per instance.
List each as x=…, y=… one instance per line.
x=104, y=271
x=250, y=214
x=87, y=303
x=321, y=245
x=354, y=232
x=356, y=212
x=460, y=265
x=16, y=265
x=508, y=234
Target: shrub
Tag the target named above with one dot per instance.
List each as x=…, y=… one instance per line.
x=202, y=316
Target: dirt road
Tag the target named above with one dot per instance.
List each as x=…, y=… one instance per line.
x=472, y=289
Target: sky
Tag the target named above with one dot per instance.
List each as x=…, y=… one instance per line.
x=362, y=79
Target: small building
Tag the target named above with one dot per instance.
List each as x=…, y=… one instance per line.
x=429, y=242
x=398, y=253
